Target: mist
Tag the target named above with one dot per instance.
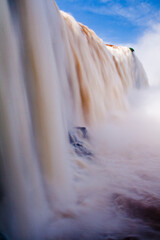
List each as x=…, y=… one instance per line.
x=148, y=49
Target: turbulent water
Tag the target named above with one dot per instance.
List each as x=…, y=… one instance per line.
x=79, y=132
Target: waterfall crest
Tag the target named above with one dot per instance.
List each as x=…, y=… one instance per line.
x=99, y=75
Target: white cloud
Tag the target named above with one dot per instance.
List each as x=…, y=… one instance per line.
x=148, y=51
x=139, y=13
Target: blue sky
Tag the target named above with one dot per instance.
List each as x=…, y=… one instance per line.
x=116, y=22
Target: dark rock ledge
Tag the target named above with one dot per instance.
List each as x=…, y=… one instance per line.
x=77, y=138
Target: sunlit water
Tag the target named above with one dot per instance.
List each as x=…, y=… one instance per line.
x=56, y=182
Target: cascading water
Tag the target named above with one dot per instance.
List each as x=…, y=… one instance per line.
x=79, y=132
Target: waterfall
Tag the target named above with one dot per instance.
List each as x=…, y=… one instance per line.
x=99, y=75
x=69, y=105
x=33, y=134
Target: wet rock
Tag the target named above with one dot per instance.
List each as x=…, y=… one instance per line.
x=111, y=239
x=83, y=131
x=131, y=238
x=125, y=238
x=106, y=236
x=76, y=139
x=147, y=209
x=82, y=151
x=72, y=138
x=3, y=236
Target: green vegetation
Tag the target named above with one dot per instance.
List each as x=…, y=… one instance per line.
x=132, y=50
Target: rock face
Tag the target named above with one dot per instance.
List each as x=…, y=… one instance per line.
x=146, y=209
x=126, y=238
x=78, y=138
x=3, y=236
